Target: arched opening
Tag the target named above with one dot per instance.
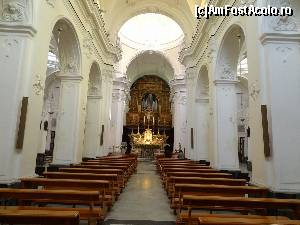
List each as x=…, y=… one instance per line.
x=63, y=60
x=151, y=43
x=149, y=110
x=148, y=63
x=92, y=139
x=230, y=97
x=151, y=31
x=243, y=110
x=199, y=140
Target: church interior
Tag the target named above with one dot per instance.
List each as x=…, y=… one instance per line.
x=136, y=112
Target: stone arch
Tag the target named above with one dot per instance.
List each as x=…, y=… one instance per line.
x=164, y=71
x=229, y=52
x=93, y=111
x=68, y=45
x=202, y=90
x=95, y=80
x=179, y=17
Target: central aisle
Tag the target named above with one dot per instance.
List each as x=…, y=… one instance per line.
x=142, y=199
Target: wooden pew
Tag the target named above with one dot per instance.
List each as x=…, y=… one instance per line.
x=121, y=177
x=192, y=202
x=113, y=178
x=130, y=166
x=200, y=180
x=165, y=168
x=25, y=196
x=187, y=170
x=246, y=221
x=43, y=217
x=103, y=186
x=194, y=174
x=200, y=216
x=213, y=190
x=126, y=170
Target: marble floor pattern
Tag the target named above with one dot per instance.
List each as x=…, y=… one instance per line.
x=143, y=201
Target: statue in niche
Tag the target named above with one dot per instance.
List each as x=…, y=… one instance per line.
x=149, y=103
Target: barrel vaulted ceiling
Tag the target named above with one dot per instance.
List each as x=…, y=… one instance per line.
x=117, y=12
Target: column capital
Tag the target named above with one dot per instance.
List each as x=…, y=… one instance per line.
x=107, y=71
x=202, y=100
x=178, y=85
x=121, y=83
x=225, y=82
x=70, y=77
x=191, y=73
x=94, y=97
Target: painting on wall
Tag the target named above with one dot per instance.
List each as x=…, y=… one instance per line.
x=101, y=136
x=265, y=125
x=192, y=138
x=22, y=123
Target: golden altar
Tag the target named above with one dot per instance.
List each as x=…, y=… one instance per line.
x=148, y=143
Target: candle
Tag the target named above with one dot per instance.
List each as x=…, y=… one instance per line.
x=153, y=120
x=144, y=120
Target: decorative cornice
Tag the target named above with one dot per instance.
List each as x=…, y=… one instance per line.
x=279, y=37
x=18, y=29
x=94, y=16
x=205, y=31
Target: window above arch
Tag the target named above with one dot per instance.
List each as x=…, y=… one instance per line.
x=151, y=31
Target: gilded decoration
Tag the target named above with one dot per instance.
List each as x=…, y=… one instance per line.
x=149, y=112
x=149, y=93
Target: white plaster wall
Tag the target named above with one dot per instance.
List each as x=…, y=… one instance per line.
x=27, y=59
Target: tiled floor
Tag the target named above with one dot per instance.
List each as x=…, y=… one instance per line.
x=143, y=201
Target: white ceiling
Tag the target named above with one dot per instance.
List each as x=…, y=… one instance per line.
x=150, y=63
x=117, y=12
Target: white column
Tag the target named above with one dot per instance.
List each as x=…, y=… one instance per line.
x=191, y=75
x=179, y=113
x=225, y=132
x=119, y=96
x=107, y=109
x=66, y=149
x=118, y=107
x=281, y=59
x=92, y=126
x=201, y=128
x=16, y=38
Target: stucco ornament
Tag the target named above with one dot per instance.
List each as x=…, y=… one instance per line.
x=88, y=47
x=284, y=52
x=51, y=3
x=283, y=23
x=38, y=86
x=69, y=67
x=13, y=12
x=226, y=72
x=254, y=90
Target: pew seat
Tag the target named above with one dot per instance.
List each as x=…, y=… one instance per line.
x=43, y=217
x=194, y=220
x=35, y=199
x=103, y=186
x=246, y=221
x=253, y=205
x=213, y=190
